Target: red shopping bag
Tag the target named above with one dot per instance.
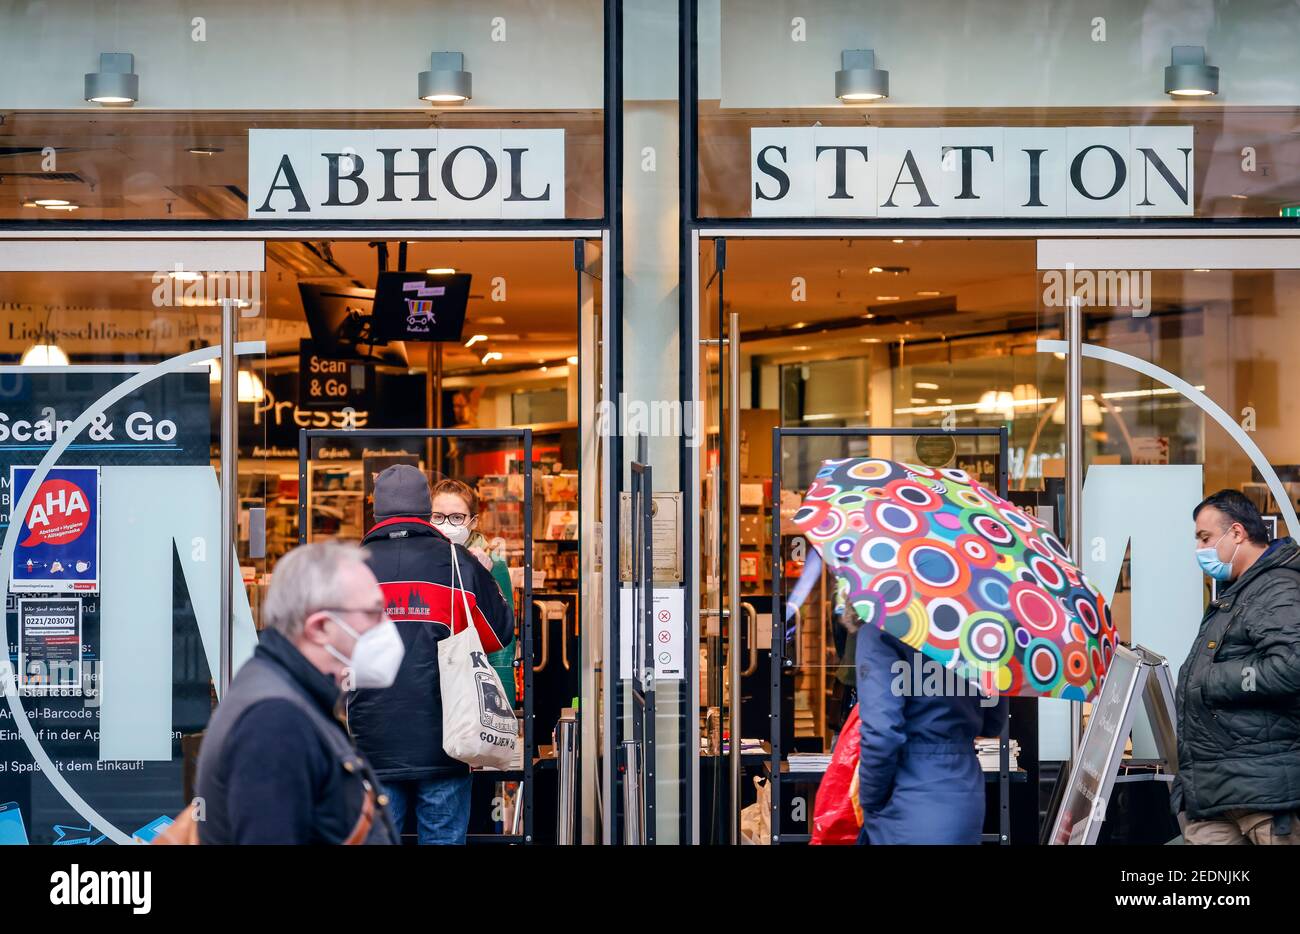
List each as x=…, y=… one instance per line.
x=837, y=818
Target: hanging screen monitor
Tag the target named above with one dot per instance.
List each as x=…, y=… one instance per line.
x=415, y=306
x=341, y=322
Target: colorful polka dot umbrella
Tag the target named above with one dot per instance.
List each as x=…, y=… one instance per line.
x=971, y=580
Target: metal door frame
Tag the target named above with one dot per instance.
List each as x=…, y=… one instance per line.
x=779, y=662
x=525, y=435
x=636, y=762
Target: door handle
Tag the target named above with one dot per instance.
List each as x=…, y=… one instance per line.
x=564, y=636
x=257, y=532
x=751, y=627
x=546, y=641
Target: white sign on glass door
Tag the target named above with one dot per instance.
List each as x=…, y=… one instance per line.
x=405, y=174
x=972, y=171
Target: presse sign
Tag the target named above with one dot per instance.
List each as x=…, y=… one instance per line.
x=972, y=172
x=405, y=174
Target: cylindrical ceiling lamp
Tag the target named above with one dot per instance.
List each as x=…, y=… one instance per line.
x=115, y=82
x=1187, y=75
x=446, y=81
x=859, y=79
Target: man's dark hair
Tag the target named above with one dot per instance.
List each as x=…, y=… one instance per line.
x=1238, y=508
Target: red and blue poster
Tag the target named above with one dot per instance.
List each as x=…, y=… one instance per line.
x=58, y=541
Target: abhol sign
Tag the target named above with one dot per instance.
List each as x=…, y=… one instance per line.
x=410, y=174
x=1141, y=171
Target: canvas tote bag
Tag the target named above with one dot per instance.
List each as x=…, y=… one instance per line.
x=478, y=720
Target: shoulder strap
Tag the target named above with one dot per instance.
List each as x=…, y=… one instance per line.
x=458, y=583
x=364, y=821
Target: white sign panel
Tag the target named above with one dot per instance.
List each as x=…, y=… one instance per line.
x=972, y=172
x=667, y=619
x=405, y=174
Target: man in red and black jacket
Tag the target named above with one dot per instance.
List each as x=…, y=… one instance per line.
x=399, y=729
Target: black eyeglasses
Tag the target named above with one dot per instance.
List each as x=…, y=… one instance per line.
x=454, y=518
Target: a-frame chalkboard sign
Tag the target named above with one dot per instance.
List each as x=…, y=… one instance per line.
x=1133, y=672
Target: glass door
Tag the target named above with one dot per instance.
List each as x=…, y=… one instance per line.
x=596, y=506
x=718, y=816
x=1186, y=387
x=125, y=610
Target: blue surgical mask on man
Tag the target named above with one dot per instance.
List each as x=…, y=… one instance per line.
x=1210, y=562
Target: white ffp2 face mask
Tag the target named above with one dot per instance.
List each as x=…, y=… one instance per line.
x=456, y=533
x=377, y=655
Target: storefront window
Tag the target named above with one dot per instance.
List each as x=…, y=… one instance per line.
x=1186, y=391
x=1030, y=90
x=188, y=146
x=113, y=594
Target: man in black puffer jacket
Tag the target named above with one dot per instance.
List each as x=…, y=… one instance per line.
x=1239, y=690
x=400, y=728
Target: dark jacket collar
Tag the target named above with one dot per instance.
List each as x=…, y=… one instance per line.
x=313, y=682
x=401, y=526
x=1282, y=553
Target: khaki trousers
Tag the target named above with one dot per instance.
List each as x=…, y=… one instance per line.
x=1240, y=828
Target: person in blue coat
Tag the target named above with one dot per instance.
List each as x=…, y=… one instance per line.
x=918, y=775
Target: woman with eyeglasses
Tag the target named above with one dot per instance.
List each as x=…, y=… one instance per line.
x=456, y=516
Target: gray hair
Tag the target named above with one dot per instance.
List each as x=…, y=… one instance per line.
x=306, y=580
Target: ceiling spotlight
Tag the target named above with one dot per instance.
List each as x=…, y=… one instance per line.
x=44, y=355
x=869, y=340
x=927, y=385
x=888, y=298
x=446, y=81
x=205, y=150
x=491, y=355
x=248, y=385
x=801, y=348
x=899, y=240
x=1091, y=413
x=572, y=361
x=929, y=293
x=185, y=275
x=61, y=207
x=50, y=202
x=475, y=339
x=115, y=82
x=859, y=79
x=440, y=271
x=1187, y=75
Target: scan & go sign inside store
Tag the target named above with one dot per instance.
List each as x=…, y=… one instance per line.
x=1141, y=171
x=412, y=174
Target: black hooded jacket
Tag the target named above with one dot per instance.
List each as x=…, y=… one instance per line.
x=1239, y=695
x=399, y=728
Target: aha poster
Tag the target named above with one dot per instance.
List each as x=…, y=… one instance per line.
x=58, y=541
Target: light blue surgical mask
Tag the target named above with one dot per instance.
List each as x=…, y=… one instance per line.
x=1208, y=559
